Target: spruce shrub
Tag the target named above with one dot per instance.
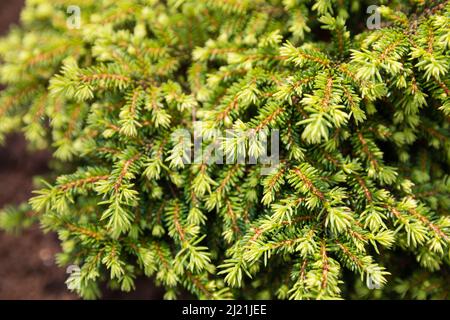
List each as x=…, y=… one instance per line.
x=356, y=207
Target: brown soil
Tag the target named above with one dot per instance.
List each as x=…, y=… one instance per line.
x=9, y=13
x=27, y=268
x=27, y=265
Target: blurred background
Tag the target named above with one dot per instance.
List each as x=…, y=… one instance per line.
x=27, y=265
x=27, y=269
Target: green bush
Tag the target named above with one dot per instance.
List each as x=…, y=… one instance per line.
x=358, y=205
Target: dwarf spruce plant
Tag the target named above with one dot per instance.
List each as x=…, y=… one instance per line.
x=350, y=111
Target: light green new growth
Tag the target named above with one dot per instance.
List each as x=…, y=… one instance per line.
x=360, y=198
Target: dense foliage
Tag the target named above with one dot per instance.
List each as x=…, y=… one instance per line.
x=359, y=203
